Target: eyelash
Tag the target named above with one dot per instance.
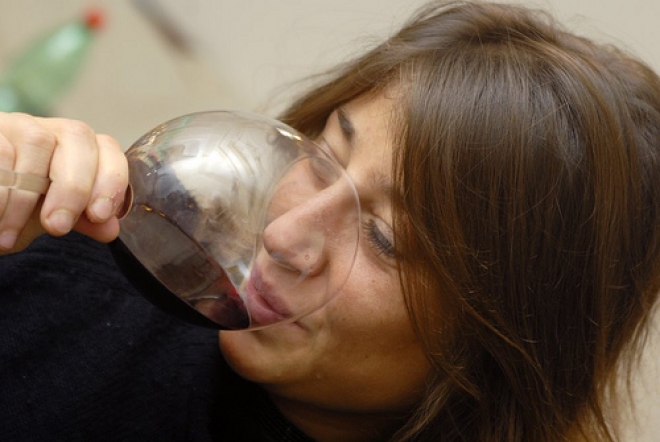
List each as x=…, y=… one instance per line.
x=345, y=125
x=376, y=238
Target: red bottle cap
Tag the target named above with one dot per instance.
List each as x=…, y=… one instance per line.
x=94, y=18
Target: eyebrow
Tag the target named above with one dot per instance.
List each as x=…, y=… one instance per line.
x=383, y=183
x=347, y=128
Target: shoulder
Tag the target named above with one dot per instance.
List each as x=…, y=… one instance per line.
x=83, y=353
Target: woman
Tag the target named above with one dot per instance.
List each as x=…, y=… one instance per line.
x=509, y=177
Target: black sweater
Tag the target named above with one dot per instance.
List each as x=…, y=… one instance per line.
x=83, y=357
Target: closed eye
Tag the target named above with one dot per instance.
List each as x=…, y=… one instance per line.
x=378, y=240
x=345, y=124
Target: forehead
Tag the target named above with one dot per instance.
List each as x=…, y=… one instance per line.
x=364, y=128
x=372, y=120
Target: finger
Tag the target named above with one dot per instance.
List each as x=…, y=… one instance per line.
x=103, y=232
x=72, y=172
x=32, y=142
x=31, y=230
x=31, y=145
x=111, y=181
x=20, y=205
x=7, y=163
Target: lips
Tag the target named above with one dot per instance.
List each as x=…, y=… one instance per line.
x=227, y=312
x=262, y=302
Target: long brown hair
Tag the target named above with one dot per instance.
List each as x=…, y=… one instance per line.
x=527, y=215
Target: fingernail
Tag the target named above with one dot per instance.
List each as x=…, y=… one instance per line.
x=103, y=208
x=61, y=221
x=8, y=239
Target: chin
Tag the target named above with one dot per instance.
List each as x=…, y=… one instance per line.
x=264, y=355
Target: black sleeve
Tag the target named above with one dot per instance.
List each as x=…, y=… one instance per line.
x=83, y=357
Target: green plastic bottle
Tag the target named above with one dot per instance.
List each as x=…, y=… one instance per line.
x=43, y=72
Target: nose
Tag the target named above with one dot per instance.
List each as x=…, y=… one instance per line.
x=305, y=233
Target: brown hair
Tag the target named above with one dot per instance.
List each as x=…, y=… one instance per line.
x=527, y=215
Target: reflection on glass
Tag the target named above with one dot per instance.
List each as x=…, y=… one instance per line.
x=238, y=216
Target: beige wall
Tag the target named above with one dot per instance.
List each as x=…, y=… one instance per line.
x=246, y=50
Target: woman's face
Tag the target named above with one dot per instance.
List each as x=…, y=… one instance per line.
x=358, y=354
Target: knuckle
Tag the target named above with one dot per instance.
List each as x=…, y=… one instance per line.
x=79, y=130
x=107, y=140
x=38, y=137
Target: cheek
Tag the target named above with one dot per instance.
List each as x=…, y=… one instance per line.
x=360, y=352
x=374, y=368
x=371, y=326
x=370, y=298
x=368, y=320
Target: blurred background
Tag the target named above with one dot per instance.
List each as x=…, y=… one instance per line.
x=156, y=59
x=153, y=60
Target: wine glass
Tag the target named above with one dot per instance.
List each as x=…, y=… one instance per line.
x=233, y=220
x=208, y=190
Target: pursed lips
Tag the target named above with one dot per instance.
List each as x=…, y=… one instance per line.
x=263, y=303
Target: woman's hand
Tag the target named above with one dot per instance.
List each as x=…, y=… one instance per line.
x=88, y=174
